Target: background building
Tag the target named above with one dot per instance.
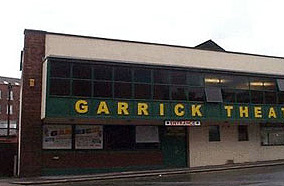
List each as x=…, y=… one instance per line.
x=9, y=120
x=96, y=105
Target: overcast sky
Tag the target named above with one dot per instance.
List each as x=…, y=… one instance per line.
x=250, y=26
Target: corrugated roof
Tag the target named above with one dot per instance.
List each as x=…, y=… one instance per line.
x=7, y=80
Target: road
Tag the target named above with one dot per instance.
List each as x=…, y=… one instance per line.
x=263, y=176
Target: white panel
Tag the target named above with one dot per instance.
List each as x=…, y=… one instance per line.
x=101, y=49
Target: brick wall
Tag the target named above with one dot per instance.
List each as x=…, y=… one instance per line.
x=30, y=137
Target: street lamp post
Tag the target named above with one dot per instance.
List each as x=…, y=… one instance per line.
x=8, y=118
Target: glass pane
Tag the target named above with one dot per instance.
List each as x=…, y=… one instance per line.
x=235, y=82
x=242, y=96
x=195, y=79
x=178, y=93
x=229, y=95
x=213, y=94
x=102, y=72
x=262, y=84
x=161, y=76
x=122, y=74
x=196, y=94
x=270, y=97
x=59, y=87
x=82, y=71
x=3, y=132
x=102, y=89
x=214, y=133
x=142, y=75
x=178, y=77
x=59, y=69
x=82, y=88
x=280, y=83
x=122, y=90
x=243, y=132
x=161, y=92
x=212, y=80
x=256, y=97
x=142, y=91
x=281, y=97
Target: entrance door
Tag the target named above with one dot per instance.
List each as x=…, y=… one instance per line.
x=173, y=145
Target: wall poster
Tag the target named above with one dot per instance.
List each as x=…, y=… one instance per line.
x=89, y=137
x=57, y=137
x=147, y=134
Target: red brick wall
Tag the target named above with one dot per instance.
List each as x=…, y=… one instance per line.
x=101, y=159
x=31, y=135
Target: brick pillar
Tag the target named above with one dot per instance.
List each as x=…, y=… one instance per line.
x=31, y=124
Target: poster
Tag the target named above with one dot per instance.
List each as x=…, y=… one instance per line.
x=147, y=134
x=89, y=137
x=57, y=137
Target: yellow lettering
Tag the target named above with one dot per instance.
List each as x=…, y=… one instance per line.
x=81, y=106
x=103, y=108
x=244, y=112
x=229, y=110
x=142, y=109
x=162, y=111
x=195, y=110
x=272, y=113
x=257, y=112
x=179, y=109
x=122, y=108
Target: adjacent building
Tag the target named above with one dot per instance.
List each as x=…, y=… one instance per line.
x=98, y=105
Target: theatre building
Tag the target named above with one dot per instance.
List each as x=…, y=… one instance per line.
x=94, y=105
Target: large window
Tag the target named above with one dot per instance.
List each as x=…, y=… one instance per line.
x=272, y=135
x=97, y=137
x=144, y=82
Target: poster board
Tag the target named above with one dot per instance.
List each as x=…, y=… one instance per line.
x=88, y=137
x=147, y=134
x=57, y=137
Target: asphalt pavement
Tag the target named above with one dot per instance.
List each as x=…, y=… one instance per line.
x=256, y=176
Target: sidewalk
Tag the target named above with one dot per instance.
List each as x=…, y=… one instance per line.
x=131, y=174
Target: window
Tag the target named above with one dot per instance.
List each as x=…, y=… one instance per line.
x=280, y=98
x=88, y=137
x=262, y=84
x=122, y=74
x=11, y=95
x=102, y=72
x=147, y=137
x=270, y=97
x=214, y=133
x=82, y=71
x=242, y=96
x=142, y=91
x=196, y=94
x=229, y=96
x=195, y=79
x=272, y=135
x=161, y=76
x=161, y=92
x=102, y=89
x=0, y=109
x=122, y=90
x=243, y=132
x=119, y=137
x=178, y=93
x=0, y=94
x=256, y=97
x=60, y=69
x=82, y=88
x=59, y=87
x=280, y=83
x=11, y=109
x=142, y=75
x=213, y=94
x=178, y=77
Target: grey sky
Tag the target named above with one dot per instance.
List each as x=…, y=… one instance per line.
x=250, y=26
